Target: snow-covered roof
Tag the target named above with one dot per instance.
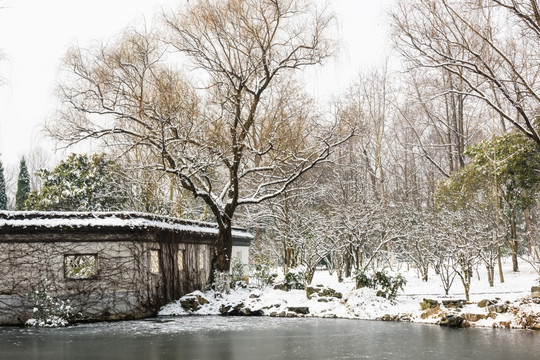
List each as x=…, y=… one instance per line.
x=132, y=220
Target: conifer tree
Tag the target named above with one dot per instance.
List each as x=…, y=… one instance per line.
x=80, y=183
x=3, y=196
x=23, y=186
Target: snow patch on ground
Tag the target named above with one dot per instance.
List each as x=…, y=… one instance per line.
x=364, y=304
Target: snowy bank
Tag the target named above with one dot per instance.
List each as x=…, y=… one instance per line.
x=507, y=305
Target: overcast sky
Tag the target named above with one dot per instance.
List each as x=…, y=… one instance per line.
x=35, y=34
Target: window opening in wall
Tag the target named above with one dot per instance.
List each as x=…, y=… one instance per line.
x=80, y=266
x=180, y=260
x=154, y=261
x=201, y=258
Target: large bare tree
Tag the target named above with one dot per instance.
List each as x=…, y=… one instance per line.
x=245, y=135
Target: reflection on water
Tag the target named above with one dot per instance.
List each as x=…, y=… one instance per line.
x=265, y=338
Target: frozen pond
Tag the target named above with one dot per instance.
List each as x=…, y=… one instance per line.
x=265, y=338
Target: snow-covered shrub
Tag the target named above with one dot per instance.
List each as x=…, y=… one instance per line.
x=387, y=285
x=363, y=280
x=222, y=282
x=238, y=272
x=262, y=272
x=294, y=280
x=48, y=311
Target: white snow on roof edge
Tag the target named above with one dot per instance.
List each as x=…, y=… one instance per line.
x=111, y=219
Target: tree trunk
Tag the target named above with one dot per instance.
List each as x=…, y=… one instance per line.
x=287, y=257
x=223, y=247
x=491, y=274
x=499, y=263
x=347, y=264
x=425, y=269
x=513, y=241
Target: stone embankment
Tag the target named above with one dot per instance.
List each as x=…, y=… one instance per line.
x=451, y=313
x=321, y=301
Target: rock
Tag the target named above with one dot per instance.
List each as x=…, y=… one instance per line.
x=473, y=317
x=273, y=314
x=299, y=309
x=291, y=314
x=535, y=296
x=535, y=327
x=282, y=287
x=429, y=304
x=388, y=317
x=202, y=300
x=310, y=291
x=329, y=292
x=381, y=293
x=254, y=295
x=190, y=303
x=223, y=310
x=535, y=289
x=322, y=300
x=498, y=308
x=453, y=321
x=244, y=312
x=454, y=303
x=326, y=292
x=329, y=316
x=240, y=310
x=485, y=302
x=229, y=310
x=502, y=324
x=249, y=312
x=431, y=312
x=259, y=312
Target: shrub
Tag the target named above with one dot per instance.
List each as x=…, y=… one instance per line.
x=388, y=285
x=262, y=272
x=48, y=311
x=363, y=280
x=294, y=280
x=238, y=273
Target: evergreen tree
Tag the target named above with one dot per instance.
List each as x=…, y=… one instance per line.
x=23, y=186
x=3, y=196
x=81, y=183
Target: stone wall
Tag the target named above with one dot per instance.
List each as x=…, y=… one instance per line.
x=123, y=286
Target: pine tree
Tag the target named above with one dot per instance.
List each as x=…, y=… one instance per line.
x=3, y=196
x=23, y=186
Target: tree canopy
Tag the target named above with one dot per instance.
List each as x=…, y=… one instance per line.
x=244, y=135
x=80, y=183
x=23, y=186
x=3, y=196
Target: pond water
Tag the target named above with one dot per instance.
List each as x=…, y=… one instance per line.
x=265, y=338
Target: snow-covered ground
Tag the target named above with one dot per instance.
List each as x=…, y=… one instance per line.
x=521, y=311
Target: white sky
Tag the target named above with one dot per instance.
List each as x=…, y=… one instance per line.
x=35, y=34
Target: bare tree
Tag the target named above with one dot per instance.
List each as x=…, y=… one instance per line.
x=490, y=46
x=37, y=158
x=244, y=138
